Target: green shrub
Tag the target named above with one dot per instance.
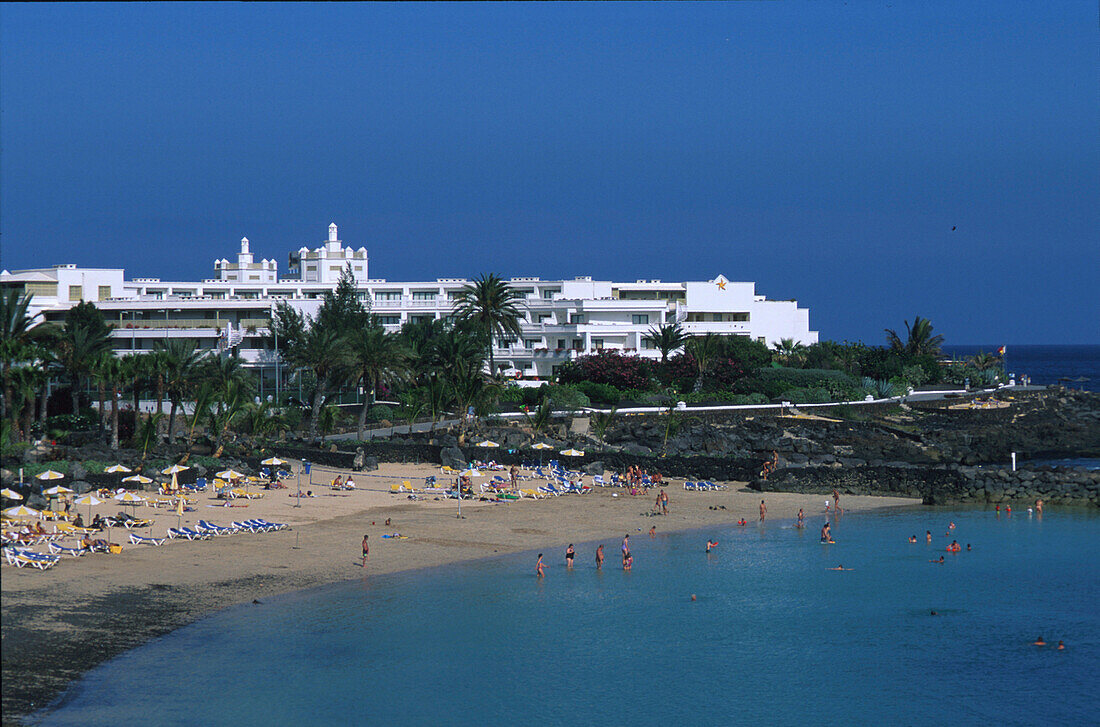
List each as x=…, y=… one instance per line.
x=34, y=469
x=567, y=397
x=512, y=394
x=378, y=412
x=777, y=382
x=599, y=393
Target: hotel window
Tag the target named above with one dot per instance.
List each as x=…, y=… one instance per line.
x=334, y=268
x=387, y=295
x=640, y=320
x=576, y=318
x=647, y=344
x=44, y=290
x=311, y=267
x=578, y=344
x=76, y=292
x=561, y=343
x=532, y=343
x=389, y=320
x=253, y=277
x=424, y=295
x=104, y=292
x=597, y=343
x=549, y=294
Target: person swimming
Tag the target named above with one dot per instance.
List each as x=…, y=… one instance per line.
x=840, y=567
x=1039, y=642
x=938, y=560
x=826, y=534
x=1061, y=646
x=912, y=538
x=928, y=536
x=742, y=521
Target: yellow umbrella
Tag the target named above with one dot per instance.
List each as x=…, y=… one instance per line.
x=140, y=479
x=10, y=494
x=487, y=443
x=117, y=468
x=50, y=475
x=470, y=473
x=542, y=445
x=174, y=469
x=572, y=453
x=230, y=475
x=129, y=498
x=88, y=500
x=274, y=462
x=22, y=511
x=58, y=490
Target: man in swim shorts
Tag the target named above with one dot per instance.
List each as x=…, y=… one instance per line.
x=599, y=557
x=826, y=535
x=763, y=510
x=366, y=550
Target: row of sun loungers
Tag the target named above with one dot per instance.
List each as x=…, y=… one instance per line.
x=21, y=558
x=702, y=486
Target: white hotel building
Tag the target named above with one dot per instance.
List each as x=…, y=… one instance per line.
x=561, y=318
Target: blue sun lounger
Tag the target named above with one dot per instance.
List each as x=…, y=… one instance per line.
x=138, y=540
x=63, y=550
x=209, y=527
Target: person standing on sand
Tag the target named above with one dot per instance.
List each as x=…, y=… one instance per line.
x=664, y=502
x=763, y=510
x=599, y=557
x=836, y=501
x=513, y=475
x=366, y=550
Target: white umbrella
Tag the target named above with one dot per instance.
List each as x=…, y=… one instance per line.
x=58, y=490
x=572, y=453
x=10, y=494
x=140, y=479
x=230, y=475
x=115, y=468
x=542, y=445
x=487, y=443
x=174, y=469
x=274, y=462
x=129, y=498
x=470, y=473
x=22, y=511
x=89, y=500
x=50, y=475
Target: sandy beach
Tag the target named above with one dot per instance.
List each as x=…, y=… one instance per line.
x=60, y=623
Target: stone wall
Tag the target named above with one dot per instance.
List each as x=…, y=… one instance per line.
x=943, y=485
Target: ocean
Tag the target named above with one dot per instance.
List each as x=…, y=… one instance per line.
x=774, y=637
x=1045, y=364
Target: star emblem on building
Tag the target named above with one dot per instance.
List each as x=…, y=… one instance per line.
x=720, y=283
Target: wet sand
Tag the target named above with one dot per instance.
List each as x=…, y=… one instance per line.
x=59, y=623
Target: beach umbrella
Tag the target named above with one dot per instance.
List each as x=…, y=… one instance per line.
x=274, y=462
x=230, y=475
x=572, y=453
x=129, y=498
x=116, y=468
x=10, y=494
x=471, y=472
x=50, y=475
x=57, y=490
x=140, y=479
x=542, y=445
x=88, y=500
x=487, y=443
x=174, y=469
x=22, y=511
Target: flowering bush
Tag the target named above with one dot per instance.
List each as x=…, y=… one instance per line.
x=607, y=367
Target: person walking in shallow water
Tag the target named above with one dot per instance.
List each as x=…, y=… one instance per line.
x=763, y=510
x=599, y=557
x=538, y=567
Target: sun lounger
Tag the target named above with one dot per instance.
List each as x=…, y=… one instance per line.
x=205, y=526
x=689, y=486
x=23, y=558
x=138, y=540
x=59, y=549
x=188, y=533
x=273, y=526
x=246, y=525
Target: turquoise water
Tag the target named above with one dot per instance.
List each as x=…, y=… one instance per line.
x=774, y=637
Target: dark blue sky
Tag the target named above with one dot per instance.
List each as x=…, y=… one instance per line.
x=824, y=150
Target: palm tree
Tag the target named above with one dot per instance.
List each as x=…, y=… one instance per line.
x=17, y=330
x=668, y=338
x=79, y=346
x=920, y=340
x=790, y=352
x=110, y=374
x=490, y=306
x=324, y=351
x=377, y=357
x=179, y=363
x=983, y=361
x=703, y=350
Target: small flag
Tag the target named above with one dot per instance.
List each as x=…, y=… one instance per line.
x=1001, y=351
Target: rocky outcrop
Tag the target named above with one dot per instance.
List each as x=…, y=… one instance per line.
x=943, y=485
